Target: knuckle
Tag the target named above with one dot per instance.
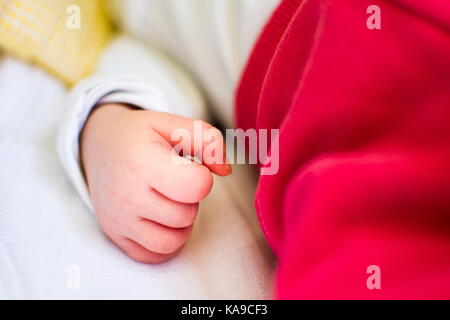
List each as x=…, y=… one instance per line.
x=202, y=185
x=186, y=216
x=195, y=185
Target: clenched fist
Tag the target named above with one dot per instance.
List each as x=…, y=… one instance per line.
x=144, y=193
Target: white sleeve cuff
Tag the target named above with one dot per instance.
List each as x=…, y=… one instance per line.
x=83, y=99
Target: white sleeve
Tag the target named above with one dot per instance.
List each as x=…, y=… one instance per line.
x=131, y=73
x=211, y=38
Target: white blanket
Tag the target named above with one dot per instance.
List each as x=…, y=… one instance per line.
x=51, y=245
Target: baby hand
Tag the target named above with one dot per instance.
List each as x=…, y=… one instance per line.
x=145, y=202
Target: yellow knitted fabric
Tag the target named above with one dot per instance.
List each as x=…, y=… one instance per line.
x=66, y=37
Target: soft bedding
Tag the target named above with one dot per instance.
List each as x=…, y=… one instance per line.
x=52, y=247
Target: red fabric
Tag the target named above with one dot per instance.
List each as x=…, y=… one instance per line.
x=364, y=148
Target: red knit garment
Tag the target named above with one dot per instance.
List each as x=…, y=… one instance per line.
x=364, y=118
